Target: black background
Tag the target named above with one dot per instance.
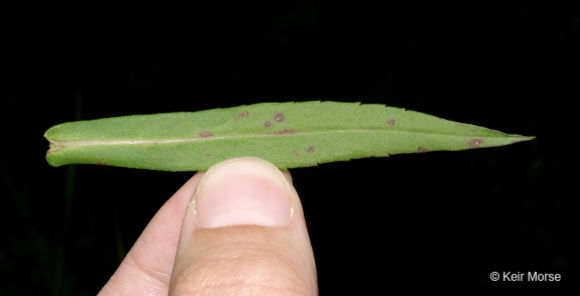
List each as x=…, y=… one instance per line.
x=441, y=220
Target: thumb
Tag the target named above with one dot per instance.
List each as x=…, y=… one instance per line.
x=244, y=233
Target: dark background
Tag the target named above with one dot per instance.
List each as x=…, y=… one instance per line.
x=441, y=220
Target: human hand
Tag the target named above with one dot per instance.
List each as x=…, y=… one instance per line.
x=243, y=232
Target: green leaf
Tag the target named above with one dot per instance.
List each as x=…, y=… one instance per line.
x=287, y=134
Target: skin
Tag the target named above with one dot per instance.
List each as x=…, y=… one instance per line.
x=181, y=252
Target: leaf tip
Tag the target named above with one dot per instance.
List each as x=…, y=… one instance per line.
x=522, y=139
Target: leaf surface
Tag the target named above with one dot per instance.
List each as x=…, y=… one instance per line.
x=287, y=134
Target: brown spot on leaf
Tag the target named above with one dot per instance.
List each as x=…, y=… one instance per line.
x=474, y=143
x=310, y=149
x=422, y=149
x=283, y=132
x=279, y=117
x=205, y=134
x=102, y=163
x=242, y=115
x=391, y=122
x=267, y=124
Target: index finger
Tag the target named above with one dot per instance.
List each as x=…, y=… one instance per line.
x=146, y=269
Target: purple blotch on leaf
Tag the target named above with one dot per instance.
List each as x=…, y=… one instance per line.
x=391, y=122
x=283, y=132
x=422, y=149
x=242, y=115
x=206, y=152
x=310, y=149
x=267, y=124
x=279, y=117
x=205, y=134
x=474, y=143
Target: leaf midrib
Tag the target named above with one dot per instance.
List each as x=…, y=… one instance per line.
x=62, y=144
